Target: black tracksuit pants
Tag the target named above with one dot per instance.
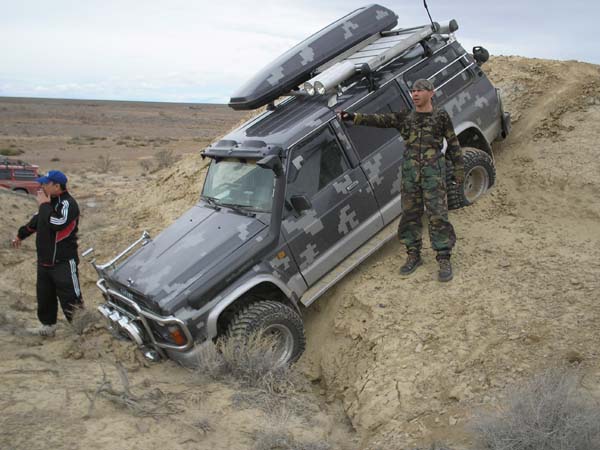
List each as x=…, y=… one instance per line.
x=61, y=282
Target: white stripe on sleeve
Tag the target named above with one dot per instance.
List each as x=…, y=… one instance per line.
x=64, y=212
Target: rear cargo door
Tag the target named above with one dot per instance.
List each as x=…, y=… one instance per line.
x=343, y=213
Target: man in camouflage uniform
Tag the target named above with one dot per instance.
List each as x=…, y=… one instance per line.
x=430, y=139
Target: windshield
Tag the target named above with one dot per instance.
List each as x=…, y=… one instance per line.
x=237, y=183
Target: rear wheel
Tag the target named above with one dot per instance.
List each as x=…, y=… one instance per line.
x=21, y=191
x=480, y=174
x=275, y=320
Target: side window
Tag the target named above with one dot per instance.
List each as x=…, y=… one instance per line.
x=369, y=139
x=441, y=69
x=454, y=85
x=5, y=174
x=437, y=65
x=316, y=162
x=24, y=175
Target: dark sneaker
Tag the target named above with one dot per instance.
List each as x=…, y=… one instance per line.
x=445, y=273
x=412, y=262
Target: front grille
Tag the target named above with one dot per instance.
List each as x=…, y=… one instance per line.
x=123, y=306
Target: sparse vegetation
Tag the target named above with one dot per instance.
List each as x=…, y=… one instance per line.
x=253, y=362
x=164, y=158
x=83, y=319
x=146, y=166
x=55, y=159
x=84, y=140
x=105, y=163
x=11, y=151
x=549, y=412
x=154, y=403
x=281, y=440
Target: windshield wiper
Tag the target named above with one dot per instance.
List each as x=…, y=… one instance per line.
x=212, y=202
x=239, y=208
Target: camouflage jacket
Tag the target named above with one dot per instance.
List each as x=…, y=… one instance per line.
x=423, y=134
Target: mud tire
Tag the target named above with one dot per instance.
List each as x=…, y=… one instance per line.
x=272, y=317
x=480, y=175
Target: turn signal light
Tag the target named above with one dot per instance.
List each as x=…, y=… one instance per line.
x=177, y=335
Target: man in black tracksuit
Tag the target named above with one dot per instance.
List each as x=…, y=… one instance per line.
x=56, y=225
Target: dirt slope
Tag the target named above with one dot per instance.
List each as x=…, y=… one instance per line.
x=406, y=360
x=410, y=357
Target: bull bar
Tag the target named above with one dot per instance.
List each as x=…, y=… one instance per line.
x=125, y=321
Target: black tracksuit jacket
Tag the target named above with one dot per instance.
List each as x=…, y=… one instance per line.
x=56, y=224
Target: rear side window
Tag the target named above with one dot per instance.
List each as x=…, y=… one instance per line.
x=5, y=174
x=367, y=140
x=316, y=162
x=25, y=175
x=444, y=71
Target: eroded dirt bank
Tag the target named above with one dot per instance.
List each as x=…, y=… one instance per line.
x=411, y=358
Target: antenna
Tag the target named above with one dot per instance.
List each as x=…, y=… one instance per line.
x=427, y=9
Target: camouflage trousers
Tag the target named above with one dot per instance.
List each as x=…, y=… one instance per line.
x=424, y=191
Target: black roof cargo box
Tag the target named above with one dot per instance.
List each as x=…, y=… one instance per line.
x=296, y=65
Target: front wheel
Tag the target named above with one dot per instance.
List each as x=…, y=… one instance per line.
x=275, y=320
x=480, y=174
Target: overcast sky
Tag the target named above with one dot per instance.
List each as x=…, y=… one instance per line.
x=202, y=51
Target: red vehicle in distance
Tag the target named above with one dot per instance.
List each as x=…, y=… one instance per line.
x=19, y=176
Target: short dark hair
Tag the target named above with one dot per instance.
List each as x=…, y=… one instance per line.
x=63, y=187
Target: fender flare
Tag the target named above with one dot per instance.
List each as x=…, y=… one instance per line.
x=464, y=126
x=236, y=293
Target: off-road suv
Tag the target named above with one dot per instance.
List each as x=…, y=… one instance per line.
x=294, y=199
x=18, y=176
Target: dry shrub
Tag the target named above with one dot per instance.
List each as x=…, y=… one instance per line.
x=252, y=361
x=281, y=440
x=11, y=151
x=146, y=165
x=83, y=319
x=164, y=158
x=548, y=412
x=210, y=361
x=154, y=403
x=105, y=164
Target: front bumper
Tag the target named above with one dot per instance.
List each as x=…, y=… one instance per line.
x=127, y=318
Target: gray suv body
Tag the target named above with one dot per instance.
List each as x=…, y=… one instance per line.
x=294, y=199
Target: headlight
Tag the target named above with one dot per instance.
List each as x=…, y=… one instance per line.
x=309, y=88
x=320, y=88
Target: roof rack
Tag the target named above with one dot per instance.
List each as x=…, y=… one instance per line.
x=14, y=162
x=365, y=60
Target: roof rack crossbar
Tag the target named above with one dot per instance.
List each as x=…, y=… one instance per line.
x=369, y=58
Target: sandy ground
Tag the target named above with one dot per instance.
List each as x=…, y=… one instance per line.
x=391, y=363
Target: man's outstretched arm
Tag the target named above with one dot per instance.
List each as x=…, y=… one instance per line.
x=388, y=120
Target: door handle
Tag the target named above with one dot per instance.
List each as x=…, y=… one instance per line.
x=352, y=185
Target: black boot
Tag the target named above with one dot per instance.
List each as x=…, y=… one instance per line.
x=445, y=273
x=412, y=262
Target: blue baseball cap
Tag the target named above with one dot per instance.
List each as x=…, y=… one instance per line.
x=54, y=176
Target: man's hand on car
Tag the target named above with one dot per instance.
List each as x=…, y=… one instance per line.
x=345, y=115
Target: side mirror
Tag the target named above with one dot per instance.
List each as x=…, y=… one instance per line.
x=300, y=202
x=272, y=162
x=480, y=55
